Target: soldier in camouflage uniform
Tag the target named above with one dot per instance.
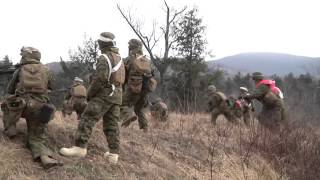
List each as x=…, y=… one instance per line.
x=247, y=107
x=29, y=99
x=218, y=104
x=273, y=112
x=159, y=110
x=105, y=98
x=76, y=98
x=135, y=103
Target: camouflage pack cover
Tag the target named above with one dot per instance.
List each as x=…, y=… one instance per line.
x=140, y=65
x=79, y=91
x=33, y=78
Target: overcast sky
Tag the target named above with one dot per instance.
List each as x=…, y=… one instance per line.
x=233, y=26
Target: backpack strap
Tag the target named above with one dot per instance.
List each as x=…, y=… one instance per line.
x=112, y=70
x=141, y=56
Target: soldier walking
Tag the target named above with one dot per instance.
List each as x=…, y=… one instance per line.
x=76, y=98
x=29, y=99
x=105, y=98
x=218, y=105
x=247, y=107
x=273, y=111
x=139, y=84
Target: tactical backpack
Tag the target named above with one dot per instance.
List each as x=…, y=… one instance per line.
x=222, y=96
x=140, y=65
x=33, y=78
x=79, y=91
x=272, y=86
x=140, y=75
x=116, y=69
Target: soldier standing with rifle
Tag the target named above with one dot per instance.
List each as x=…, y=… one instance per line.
x=247, y=107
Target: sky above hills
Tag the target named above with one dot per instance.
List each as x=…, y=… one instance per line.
x=233, y=26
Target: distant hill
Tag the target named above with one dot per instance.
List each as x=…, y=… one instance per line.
x=268, y=63
x=54, y=67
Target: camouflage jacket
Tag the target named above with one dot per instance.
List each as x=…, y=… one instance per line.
x=263, y=94
x=99, y=86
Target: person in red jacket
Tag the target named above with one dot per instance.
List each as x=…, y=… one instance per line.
x=273, y=111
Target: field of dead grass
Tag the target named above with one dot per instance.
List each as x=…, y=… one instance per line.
x=185, y=147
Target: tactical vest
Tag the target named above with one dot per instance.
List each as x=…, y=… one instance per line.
x=79, y=91
x=33, y=78
x=116, y=69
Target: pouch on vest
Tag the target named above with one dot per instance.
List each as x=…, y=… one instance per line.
x=15, y=103
x=135, y=84
x=33, y=78
x=151, y=84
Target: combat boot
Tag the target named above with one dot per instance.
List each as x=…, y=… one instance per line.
x=128, y=121
x=74, y=151
x=48, y=162
x=112, y=158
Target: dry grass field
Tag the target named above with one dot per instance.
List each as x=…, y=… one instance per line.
x=185, y=147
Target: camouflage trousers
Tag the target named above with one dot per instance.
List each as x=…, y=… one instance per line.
x=272, y=118
x=134, y=104
x=96, y=109
x=222, y=110
x=37, y=128
x=10, y=118
x=77, y=104
x=247, y=116
x=246, y=113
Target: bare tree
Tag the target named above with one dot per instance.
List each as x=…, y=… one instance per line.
x=151, y=40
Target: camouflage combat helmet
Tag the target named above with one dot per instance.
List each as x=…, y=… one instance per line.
x=244, y=89
x=211, y=89
x=30, y=52
x=77, y=79
x=158, y=99
x=106, y=39
x=135, y=43
x=257, y=76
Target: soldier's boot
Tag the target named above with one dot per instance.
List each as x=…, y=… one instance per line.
x=128, y=121
x=112, y=158
x=11, y=131
x=48, y=162
x=74, y=151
